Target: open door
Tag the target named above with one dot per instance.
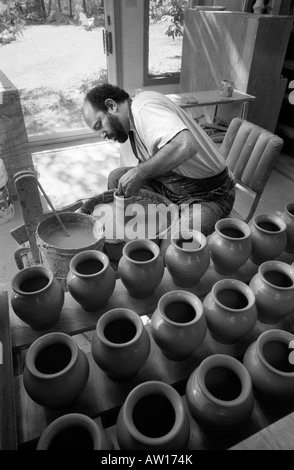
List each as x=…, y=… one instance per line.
x=112, y=41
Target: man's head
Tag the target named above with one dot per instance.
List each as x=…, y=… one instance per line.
x=105, y=110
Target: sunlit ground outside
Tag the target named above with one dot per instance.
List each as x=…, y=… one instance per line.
x=54, y=65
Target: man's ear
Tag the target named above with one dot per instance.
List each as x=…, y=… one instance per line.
x=111, y=105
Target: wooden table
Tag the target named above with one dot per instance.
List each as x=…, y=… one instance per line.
x=102, y=398
x=211, y=98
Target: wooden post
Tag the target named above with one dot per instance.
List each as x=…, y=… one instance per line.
x=14, y=146
x=31, y=206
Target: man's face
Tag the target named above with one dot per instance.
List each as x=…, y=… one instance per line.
x=107, y=124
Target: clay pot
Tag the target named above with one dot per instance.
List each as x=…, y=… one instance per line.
x=273, y=287
x=56, y=370
x=230, y=245
x=178, y=324
x=91, y=279
x=37, y=297
x=187, y=257
x=121, y=344
x=288, y=217
x=271, y=369
x=74, y=431
x=123, y=209
x=268, y=238
x=230, y=310
x=141, y=268
x=153, y=417
x=219, y=394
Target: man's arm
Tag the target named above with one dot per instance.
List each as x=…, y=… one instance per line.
x=178, y=150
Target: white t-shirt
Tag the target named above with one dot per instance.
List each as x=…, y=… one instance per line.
x=157, y=120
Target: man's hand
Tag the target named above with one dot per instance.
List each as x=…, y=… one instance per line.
x=130, y=184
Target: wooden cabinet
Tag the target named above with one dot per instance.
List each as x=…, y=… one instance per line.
x=246, y=48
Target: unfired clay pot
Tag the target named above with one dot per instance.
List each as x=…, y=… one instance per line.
x=121, y=344
x=178, y=324
x=153, y=417
x=91, y=279
x=219, y=394
x=37, y=297
x=268, y=237
x=273, y=287
x=187, y=259
x=74, y=431
x=230, y=245
x=141, y=267
x=230, y=310
x=56, y=370
x=271, y=366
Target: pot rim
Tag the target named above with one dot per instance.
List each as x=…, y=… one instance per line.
x=200, y=237
x=271, y=335
x=281, y=267
x=236, y=285
x=119, y=313
x=223, y=360
x=32, y=271
x=275, y=219
x=289, y=207
x=156, y=388
x=46, y=340
x=180, y=295
x=65, y=421
x=144, y=243
x=89, y=255
x=232, y=222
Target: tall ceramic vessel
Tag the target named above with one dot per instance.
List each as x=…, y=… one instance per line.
x=91, y=279
x=273, y=287
x=269, y=362
x=37, y=297
x=141, y=268
x=121, y=344
x=56, y=370
x=288, y=217
x=230, y=245
x=178, y=325
x=268, y=238
x=74, y=431
x=187, y=257
x=230, y=310
x=219, y=394
x=153, y=417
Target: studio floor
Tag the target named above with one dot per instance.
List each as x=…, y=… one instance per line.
x=81, y=171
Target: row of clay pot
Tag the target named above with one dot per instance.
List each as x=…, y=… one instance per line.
x=219, y=395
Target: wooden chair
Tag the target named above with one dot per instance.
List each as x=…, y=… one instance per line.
x=251, y=153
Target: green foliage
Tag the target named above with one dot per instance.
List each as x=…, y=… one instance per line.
x=11, y=20
x=173, y=10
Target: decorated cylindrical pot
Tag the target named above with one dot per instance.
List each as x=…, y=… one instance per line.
x=37, y=297
x=230, y=245
x=187, y=257
x=268, y=236
x=120, y=344
x=288, y=217
x=178, y=325
x=270, y=363
x=141, y=267
x=273, y=287
x=56, y=370
x=219, y=394
x=230, y=310
x=74, y=431
x=91, y=279
x=153, y=417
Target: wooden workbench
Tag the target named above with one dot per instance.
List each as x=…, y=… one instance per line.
x=102, y=398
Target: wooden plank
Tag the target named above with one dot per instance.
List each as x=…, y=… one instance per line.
x=74, y=319
x=8, y=438
x=277, y=436
x=208, y=98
